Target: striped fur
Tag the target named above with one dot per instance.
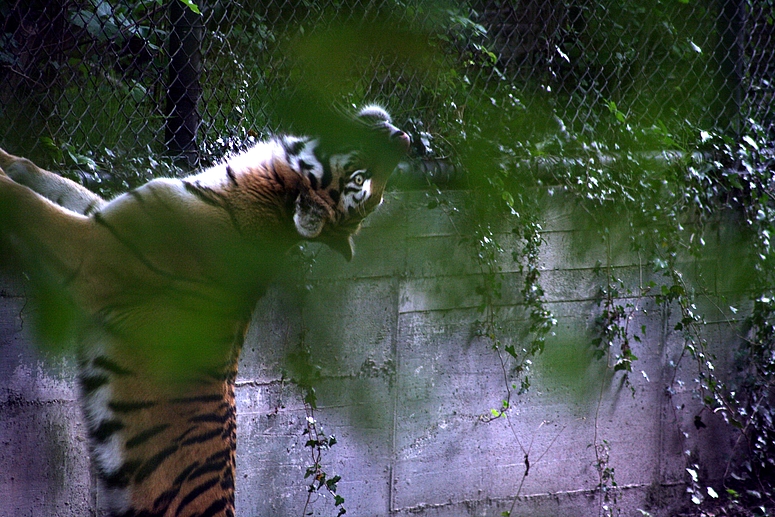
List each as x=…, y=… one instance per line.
x=162, y=281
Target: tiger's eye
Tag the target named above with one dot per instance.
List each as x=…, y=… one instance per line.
x=358, y=179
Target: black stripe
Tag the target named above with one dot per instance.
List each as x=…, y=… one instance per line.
x=210, y=466
x=130, y=407
x=231, y=175
x=307, y=167
x=120, y=478
x=162, y=503
x=213, y=198
x=210, y=417
x=214, y=508
x=201, y=438
x=293, y=149
x=225, y=453
x=144, y=436
x=111, y=366
x=147, y=263
x=205, y=194
x=198, y=399
x=135, y=194
x=136, y=513
x=185, y=433
x=313, y=181
x=150, y=465
x=135, y=251
x=275, y=175
x=185, y=473
x=91, y=208
x=196, y=492
x=93, y=383
x=334, y=195
x=227, y=481
x=106, y=429
x=327, y=177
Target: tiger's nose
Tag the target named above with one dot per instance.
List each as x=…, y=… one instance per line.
x=402, y=139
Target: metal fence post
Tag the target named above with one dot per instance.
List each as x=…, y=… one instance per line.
x=184, y=89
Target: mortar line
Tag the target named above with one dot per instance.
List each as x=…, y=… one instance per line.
x=416, y=509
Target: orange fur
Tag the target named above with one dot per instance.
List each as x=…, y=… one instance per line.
x=163, y=280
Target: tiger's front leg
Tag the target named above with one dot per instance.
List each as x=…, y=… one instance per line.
x=55, y=188
x=45, y=239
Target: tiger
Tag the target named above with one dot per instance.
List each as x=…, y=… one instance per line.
x=160, y=283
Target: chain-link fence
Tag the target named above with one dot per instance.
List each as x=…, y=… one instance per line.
x=100, y=78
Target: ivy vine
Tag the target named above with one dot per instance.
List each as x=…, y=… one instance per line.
x=658, y=188
x=662, y=184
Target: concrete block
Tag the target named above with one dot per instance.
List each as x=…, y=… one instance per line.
x=44, y=465
x=407, y=383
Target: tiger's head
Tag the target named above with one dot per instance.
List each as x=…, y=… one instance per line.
x=345, y=175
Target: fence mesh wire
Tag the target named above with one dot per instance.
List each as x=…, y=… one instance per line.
x=97, y=78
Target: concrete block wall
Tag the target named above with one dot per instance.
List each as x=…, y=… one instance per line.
x=407, y=387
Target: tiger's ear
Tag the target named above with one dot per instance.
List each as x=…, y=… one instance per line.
x=309, y=216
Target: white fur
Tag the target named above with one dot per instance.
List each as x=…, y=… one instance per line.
x=356, y=199
x=110, y=454
x=261, y=152
x=95, y=406
x=307, y=155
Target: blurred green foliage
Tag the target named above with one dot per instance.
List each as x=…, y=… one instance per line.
x=620, y=109
x=653, y=167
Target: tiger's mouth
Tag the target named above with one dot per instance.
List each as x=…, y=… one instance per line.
x=342, y=243
x=339, y=235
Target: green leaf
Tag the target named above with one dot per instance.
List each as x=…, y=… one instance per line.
x=750, y=141
x=508, y=198
x=191, y=5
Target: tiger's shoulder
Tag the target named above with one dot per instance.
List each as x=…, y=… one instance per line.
x=281, y=190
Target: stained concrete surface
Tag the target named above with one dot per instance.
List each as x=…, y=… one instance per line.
x=407, y=386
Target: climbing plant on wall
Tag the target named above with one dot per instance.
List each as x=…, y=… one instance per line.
x=604, y=103
x=658, y=183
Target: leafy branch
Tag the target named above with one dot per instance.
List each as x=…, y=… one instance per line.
x=317, y=442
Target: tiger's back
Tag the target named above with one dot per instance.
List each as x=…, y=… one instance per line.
x=164, y=279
